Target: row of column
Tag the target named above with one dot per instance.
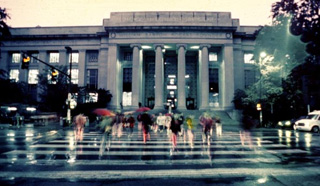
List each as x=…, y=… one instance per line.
x=226, y=77
x=159, y=76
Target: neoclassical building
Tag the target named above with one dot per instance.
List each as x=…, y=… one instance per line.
x=193, y=60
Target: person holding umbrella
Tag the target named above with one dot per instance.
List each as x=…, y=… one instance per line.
x=106, y=127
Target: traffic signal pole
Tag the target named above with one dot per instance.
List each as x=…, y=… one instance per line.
x=69, y=50
x=68, y=75
x=43, y=62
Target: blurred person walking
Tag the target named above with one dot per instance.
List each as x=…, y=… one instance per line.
x=79, y=122
x=207, y=122
x=146, y=122
x=131, y=122
x=175, y=128
x=106, y=126
x=161, y=121
x=190, y=125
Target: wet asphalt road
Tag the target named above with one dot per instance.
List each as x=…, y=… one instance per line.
x=50, y=156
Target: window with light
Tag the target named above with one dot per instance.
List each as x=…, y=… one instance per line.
x=75, y=57
x=14, y=75
x=33, y=76
x=16, y=58
x=54, y=57
x=213, y=56
x=248, y=58
x=74, y=76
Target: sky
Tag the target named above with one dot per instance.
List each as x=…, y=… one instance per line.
x=31, y=13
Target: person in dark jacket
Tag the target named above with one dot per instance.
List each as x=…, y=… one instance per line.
x=146, y=122
x=131, y=122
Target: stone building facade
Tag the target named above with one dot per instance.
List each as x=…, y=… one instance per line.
x=192, y=60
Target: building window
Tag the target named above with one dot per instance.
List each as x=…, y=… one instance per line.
x=14, y=75
x=127, y=56
x=93, y=56
x=33, y=76
x=248, y=58
x=74, y=76
x=92, y=97
x=75, y=57
x=16, y=58
x=92, y=79
x=213, y=56
x=249, y=76
x=54, y=57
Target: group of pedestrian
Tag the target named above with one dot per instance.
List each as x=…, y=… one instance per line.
x=174, y=125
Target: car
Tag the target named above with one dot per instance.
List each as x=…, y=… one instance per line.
x=289, y=123
x=310, y=123
x=285, y=124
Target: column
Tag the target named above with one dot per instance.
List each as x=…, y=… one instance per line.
x=136, y=75
x=159, y=77
x=239, y=69
x=113, y=76
x=82, y=68
x=227, y=78
x=103, y=68
x=181, y=76
x=204, y=77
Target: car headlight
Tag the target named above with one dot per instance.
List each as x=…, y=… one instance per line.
x=287, y=123
x=280, y=123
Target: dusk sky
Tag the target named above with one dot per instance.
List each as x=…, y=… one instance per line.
x=31, y=13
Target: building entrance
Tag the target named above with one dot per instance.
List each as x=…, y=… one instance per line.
x=170, y=78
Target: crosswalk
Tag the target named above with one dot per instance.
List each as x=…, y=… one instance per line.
x=230, y=154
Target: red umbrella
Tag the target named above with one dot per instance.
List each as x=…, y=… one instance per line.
x=103, y=112
x=143, y=109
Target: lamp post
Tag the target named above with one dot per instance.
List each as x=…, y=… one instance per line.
x=262, y=55
x=69, y=51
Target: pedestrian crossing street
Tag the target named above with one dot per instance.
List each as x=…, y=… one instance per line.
x=230, y=154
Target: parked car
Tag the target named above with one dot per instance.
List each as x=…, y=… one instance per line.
x=310, y=123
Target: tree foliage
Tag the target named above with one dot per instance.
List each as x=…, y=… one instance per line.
x=305, y=21
x=4, y=28
x=13, y=92
x=284, y=52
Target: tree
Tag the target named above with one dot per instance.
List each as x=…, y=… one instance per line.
x=283, y=51
x=14, y=92
x=4, y=28
x=305, y=22
x=53, y=95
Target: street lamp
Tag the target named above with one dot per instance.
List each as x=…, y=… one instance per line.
x=259, y=105
x=69, y=51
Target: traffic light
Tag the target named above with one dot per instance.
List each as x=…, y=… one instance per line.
x=25, y=61
x=54, y=75
x=259, y=106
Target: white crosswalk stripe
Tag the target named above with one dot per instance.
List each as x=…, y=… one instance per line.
x=129, y=157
